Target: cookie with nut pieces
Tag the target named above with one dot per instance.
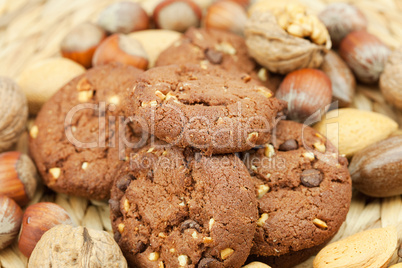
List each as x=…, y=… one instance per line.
x=78, y=141
x=205, y=108
x=174, y=207
x=219, y=48
x=303, y=189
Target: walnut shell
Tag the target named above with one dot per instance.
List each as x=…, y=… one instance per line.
x=391, y=79
x=13, y=111
x=277, y=50
x=66, y=246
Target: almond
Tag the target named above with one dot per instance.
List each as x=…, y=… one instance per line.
x=42, y=79
x=369, y=249
x=377, y=169
x=352, y=130
x=155, y=41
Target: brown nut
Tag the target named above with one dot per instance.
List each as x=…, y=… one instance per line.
x=123, y=17
x=377, y=169
x=37, y=219
x=177, y=15
x=391, y=79
x=286, y=39
x=13, y=111
x=226, y=15
x=342, y=79
x=66, y=246
x=342, y=19
x=81, y=42
x=18, y=177
x=121, y=48
x=365, y=54
x=306, y=91
x=10, y=221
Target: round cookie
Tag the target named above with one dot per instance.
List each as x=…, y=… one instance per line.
x=75, y=141
x=172, y=207
x=205, y=108
x=304, y=192
x=216, y=47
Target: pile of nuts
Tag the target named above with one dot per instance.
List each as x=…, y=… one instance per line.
x=318, y=84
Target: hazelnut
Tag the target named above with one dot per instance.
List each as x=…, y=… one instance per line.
x=286, y=38
x=342, y=79
x=365, y=54
x=37, y=219
x=41, y=80
x=306, y=91
x=177, y=15
x=342, y=19
x=226, y=15
x=81, y=42
x=123, y=17
x=391, y=79
x=18, y=177
x=121, y=48
x=14, y=113
x=10, y=221
x=66, y=246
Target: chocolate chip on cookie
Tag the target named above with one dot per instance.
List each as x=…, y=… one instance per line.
x=311, y=178
x=77, y=147
x=204, y=108
x=194, y=211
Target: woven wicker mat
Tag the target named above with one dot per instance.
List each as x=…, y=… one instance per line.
x=31, y=30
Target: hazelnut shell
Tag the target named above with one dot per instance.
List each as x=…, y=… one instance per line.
x=81, y=42
x=227, y=16
x=365, y=54
x=166, y=16
x=18, y=177
x=38, y=219
x=123, y=17
x=10, y=221
x=120, y=48
x=342, y=19
x=306, y=91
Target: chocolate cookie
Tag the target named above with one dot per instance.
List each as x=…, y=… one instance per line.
x=220, y=48
x=172, y=207
x=75, y=141
x=205, y=108
x=303, y=188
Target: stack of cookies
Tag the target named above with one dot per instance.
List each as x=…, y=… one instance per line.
x=199, y=166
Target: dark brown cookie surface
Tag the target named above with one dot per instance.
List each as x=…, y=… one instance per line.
x=171, y=207
x=75, y=141
x=215, y=47
x=209, y=109
x=303, y=188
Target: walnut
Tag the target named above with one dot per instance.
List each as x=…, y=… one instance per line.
x=287, y=38
x=66, y=246
x=13, y=111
